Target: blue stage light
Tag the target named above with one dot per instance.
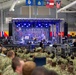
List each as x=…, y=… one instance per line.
x=36, y=26
x=46, y=24
x=29, y=23
x=27, y=26
x=22, y=26
x=17, y=26
x=39, y=24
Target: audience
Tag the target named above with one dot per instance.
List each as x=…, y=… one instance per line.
x=17, y=65
x=11, y=54
x=56, y=65
x=40, y=71
x=28, y=67
x=51, y=72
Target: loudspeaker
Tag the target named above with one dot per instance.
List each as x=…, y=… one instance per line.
x=65, y=29
x=10, y=29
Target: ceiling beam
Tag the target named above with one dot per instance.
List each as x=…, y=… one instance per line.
x=68, y=12
x=67, y=6
x=8, y=4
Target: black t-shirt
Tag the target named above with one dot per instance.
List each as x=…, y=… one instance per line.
x=74, y=44
x=55, y=45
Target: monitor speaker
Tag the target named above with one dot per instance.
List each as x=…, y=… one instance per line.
x=10, y=29
x=65, y=29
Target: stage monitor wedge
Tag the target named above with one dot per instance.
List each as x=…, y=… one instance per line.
x=10, y=29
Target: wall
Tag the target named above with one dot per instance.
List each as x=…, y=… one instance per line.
x=70, y=18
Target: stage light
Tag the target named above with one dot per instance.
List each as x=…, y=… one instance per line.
x=22, y=26
x=46, y=24
x=27, y=26
x=29, y=23
x=17, y=26
x=36, y=26
x=39, y=24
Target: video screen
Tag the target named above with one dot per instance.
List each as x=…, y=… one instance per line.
x=22, y=34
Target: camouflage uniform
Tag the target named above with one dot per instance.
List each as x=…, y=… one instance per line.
x=9, y=71
x=4, y=62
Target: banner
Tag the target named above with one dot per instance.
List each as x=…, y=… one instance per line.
x=39, y=2
x=58, y=4
x=50, y=3
x=29, y=3
x=4, y=34
x=1, y=34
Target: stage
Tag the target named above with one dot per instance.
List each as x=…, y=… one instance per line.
x=30, y=30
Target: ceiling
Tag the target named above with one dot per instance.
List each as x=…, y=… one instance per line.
x=7, y=3
x=1, y=1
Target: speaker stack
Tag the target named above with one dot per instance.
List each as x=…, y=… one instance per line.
x=65, y=29
x=10, y=29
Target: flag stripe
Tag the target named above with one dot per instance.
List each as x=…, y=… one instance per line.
x=58, y=4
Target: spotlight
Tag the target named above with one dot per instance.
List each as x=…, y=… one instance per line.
x=24, y=24
x=18, y=1
x=29, y=23
x=36, y=26
x=46, y=24
x=17, y=26
x=39, y=24
x=27, y=26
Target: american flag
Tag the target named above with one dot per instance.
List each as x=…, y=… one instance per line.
x=50, y=3
x=58, y=4
x=1, y=34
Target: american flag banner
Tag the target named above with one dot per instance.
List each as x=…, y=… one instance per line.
x=50, y=3
x=1, y=34
x=58, y=4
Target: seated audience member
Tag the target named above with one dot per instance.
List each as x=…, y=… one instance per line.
x=55, y=45
x=74, y=49
x=51, y=72
x=4, y=60
x=40, y=71
x=8, y=69
x=63, y=69
x=74, y=43
x=28, y=67
x=53, y=66
x=71, y=70
x=17, y=65
x=11, y=54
